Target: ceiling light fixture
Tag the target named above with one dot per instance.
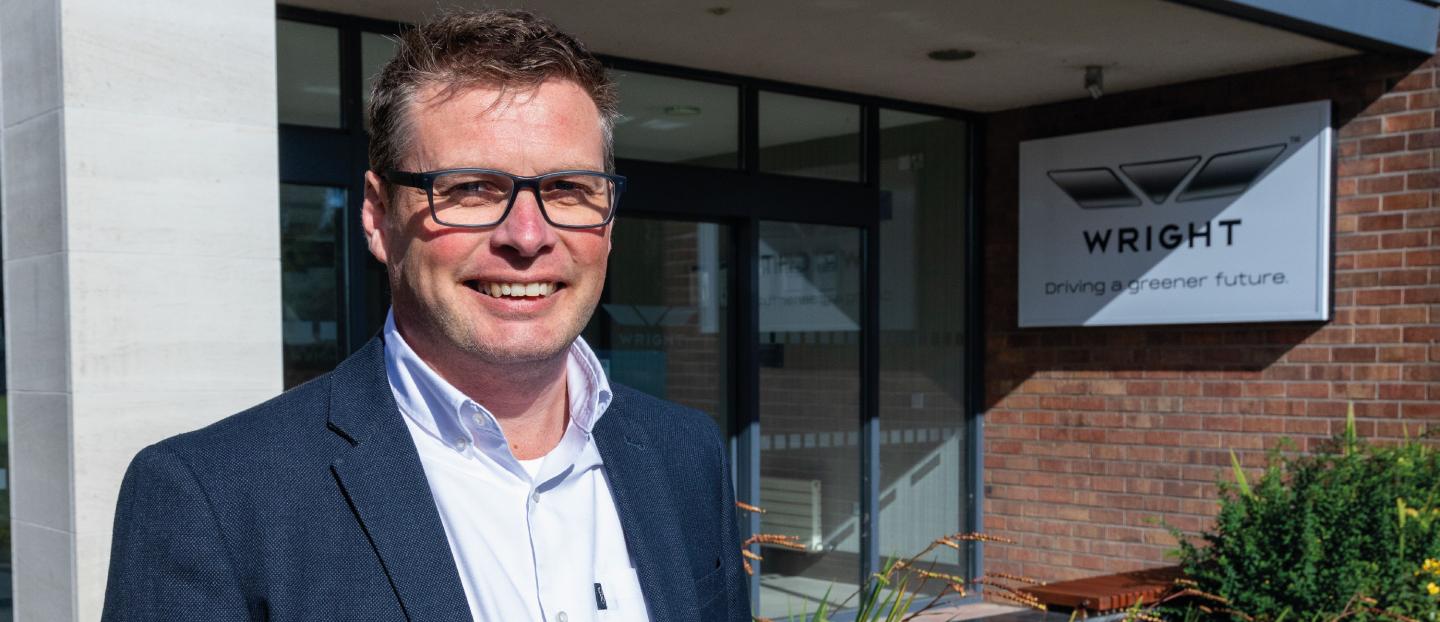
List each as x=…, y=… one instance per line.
x=717, y=11
x=1095, y=80
x=951, y=54
x=682, y=111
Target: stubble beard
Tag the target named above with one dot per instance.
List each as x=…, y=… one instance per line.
x=447, y=327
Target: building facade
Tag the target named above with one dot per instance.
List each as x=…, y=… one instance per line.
x=819, y=247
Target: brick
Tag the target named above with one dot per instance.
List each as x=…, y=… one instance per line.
x=1422, y=373
x=1388, y=104
x=1421, y=181
x=1421, y=220
x=1390, y=391
x=1404, y=315
x=1408, y=122
x=1360, y=128
x=1380, y=222
x=1407, y=162
x=1422, y=334
x=1347, y=243
x=1417, y=81
x=1299, y=390
x=1422, y=295
x=1396, y=278
x=1361, y=354
x=1354, y=168
x=1388, y=259
x=1404, y=239
x=1377, y=373
x=1407, y=201
x=1358, y=205
x=1391, y=144
x=1381, y=184
x=1423, y=99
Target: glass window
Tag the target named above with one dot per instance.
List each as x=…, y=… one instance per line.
x=809, y=137
x=663, y=325
x=310, y=271
x=375, y=51
x=809, y=297
x=673, y=120
x=308, y=70
x=922, y=319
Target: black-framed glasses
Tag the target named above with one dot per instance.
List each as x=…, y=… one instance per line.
x=482, y=197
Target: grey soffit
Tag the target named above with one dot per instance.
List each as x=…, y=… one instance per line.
x=1029, y=52
x=1391, y=26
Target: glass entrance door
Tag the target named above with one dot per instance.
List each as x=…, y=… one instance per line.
x=809, y=349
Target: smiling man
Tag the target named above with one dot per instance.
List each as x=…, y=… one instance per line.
x=472, y=461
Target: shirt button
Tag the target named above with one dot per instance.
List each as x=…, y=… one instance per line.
x=461, y=443
x=561, y=617
x=535, y=496
x=479, y=420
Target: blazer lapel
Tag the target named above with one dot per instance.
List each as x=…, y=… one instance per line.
x=642, y=499
x=383, y=480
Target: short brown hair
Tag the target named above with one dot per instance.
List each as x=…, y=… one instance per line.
x=466, y=48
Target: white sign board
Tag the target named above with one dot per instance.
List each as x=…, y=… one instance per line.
x=1210, y=220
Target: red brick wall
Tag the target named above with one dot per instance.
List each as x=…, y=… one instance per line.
x=1093, y=433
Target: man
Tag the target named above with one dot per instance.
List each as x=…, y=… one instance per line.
x=472, y=462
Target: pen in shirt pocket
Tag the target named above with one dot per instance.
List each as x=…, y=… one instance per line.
x=600, y=597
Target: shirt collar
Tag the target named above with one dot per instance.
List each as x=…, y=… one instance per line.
x=448, y=414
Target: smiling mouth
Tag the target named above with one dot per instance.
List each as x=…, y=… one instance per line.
x=515, y=290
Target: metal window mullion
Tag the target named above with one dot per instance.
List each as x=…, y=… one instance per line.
x=870, y=354
x=747, y=340
x=974, y=372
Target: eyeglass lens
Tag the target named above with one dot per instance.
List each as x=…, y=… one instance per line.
x=479, y=198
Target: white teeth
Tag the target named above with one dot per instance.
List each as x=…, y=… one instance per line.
x=529, y=290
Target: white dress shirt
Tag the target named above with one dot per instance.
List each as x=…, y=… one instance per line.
x=531, y=540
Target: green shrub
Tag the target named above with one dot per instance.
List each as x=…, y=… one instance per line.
x=1344, y=533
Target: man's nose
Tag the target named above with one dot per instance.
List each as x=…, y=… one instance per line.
x=524, y=228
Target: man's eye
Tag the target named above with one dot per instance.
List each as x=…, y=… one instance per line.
x=475, y=186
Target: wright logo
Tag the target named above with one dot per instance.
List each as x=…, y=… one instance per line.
x=1225, y=174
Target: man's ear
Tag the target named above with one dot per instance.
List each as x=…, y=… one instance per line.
x=374, y=213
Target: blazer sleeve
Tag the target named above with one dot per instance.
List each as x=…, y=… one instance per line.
x=737, y=583
x=169, y=560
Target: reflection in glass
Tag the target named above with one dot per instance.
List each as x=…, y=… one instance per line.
x=663, y=324
x=375, y=51
x=310, y=272
x=922, y=338
x=809, y=137
x=809, y=296
x=308, y=71
x=674, y=120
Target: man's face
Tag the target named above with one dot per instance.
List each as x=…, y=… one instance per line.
x=439, y=275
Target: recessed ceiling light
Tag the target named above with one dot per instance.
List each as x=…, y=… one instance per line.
x=950, y=54
x=682, y=111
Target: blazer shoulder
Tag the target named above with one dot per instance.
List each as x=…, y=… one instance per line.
x=257, y=434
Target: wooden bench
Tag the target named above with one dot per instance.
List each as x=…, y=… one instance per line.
x=1108, y=593
x=792, y=508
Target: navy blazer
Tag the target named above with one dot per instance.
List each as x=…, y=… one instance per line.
x=314, y=506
